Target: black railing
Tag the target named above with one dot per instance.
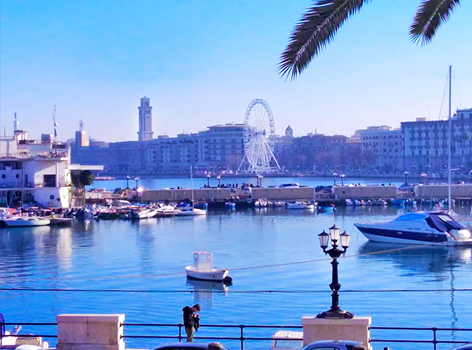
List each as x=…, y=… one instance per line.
x=241, y=335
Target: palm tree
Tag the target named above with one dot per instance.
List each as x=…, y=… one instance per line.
x=320, y=23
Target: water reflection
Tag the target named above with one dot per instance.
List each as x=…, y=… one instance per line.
x=417, y=259
x=203, y=291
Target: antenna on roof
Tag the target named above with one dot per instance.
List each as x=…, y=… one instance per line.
x=81, y=124
x=15, y=124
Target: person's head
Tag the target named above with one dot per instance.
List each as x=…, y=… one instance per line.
x=215, y=346
x=196, y=307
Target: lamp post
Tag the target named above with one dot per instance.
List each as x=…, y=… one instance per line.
x=342, y=176
x=208, y=180
x=137, y=182
x=219, y=180
x=259, y=180
x=335, y=311
x=127, y=181
x=423, y=177
x=406, y=177
x=334, y=178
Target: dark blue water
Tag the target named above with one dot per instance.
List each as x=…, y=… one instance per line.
x=151, y=255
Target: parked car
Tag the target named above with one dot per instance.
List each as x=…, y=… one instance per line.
x=185, y=346
x=289, y=185
x=334, y=345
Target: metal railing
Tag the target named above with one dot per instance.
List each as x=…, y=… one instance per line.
x=241, y=333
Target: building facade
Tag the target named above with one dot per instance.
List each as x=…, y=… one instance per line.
x=381, y=148
x=426, y=144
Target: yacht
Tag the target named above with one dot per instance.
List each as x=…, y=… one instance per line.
x=437, y=228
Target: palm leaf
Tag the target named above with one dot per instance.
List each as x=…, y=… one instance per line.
x=314, y=31
x=429, y=16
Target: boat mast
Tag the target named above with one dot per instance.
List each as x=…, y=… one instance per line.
x=449, y=137
x=191, y=183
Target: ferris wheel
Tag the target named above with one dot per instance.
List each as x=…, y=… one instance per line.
x=259, y=136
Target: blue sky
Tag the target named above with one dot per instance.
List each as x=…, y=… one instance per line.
x=202, y=62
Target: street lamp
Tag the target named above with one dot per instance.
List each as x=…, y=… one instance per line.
x=259, y=180
x=423, y=177
x=335, y=311
x=334, y=178
x=208, y=180
x=342, y=176
x=127, y=181
x=137, y=181
x=406, y=177
x=219, y=180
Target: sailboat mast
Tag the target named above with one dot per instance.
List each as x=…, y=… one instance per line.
x=449, y=140
x=191, y=182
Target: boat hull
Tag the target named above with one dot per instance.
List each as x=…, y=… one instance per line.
x=26, y=223
x=192, y=212
x=408, y=237
x=206, y=275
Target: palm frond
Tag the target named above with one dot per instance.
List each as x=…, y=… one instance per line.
x=429, y=16
x=315, y=30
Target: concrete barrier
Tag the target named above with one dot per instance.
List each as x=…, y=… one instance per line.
x=365, y=192
x=295, y=193
x=355, y=329
x=202, y=194
x=440, y=191
x=90, y=332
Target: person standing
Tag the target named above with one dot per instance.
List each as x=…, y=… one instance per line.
x=191, y=320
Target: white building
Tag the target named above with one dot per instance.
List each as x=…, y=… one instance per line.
x=35, y=171
x=426, y=144
x=145, y=120
x=382, y=147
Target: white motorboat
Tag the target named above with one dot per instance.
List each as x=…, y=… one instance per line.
x=261, y=203
x=202, y=269
x=145, y=213
x=190, y=212
x=164, y=211
x=27, y=221
x=300, y=205
x=437, y=228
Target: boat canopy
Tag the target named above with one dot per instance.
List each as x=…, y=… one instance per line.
x=443, y=222
x=202, y=260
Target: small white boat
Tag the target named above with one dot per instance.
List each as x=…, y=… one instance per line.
x=188, y=210
x=261, y=203
x=164, y=211
x=379, y=202
x=202, y=269
x=145, y=213
x=27, y=221
x=300, y=205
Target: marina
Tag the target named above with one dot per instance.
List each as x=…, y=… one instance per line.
x=254, y=244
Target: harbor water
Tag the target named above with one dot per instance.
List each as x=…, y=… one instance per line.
x=280, y=274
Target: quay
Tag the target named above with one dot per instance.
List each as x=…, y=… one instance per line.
x=246, y=197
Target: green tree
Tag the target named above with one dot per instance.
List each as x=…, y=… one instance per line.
x=320, y=23
x=82, y=178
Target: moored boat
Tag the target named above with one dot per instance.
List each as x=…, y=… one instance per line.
x=300, y=205
x=436, y=228
x=27, y=221
x=202, y=269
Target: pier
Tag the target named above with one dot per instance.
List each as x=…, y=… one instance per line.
x=216, y=196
